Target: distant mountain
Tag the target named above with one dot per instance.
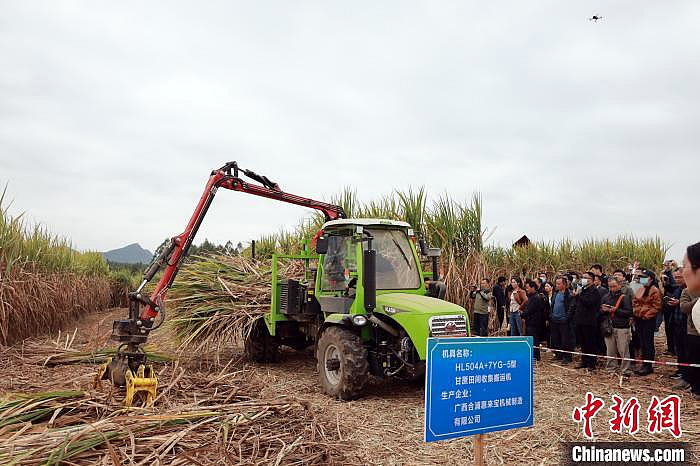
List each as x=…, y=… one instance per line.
x=131, y=254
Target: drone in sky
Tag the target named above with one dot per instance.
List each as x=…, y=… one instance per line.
x=595, y=18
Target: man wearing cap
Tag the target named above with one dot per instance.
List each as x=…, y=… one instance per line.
x=624, y=285
x=618, y=308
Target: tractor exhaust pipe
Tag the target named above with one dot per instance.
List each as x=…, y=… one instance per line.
x=369, y=276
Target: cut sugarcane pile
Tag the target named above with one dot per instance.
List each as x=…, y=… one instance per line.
x=215, y=299
x=204, y=419
x=57, y=353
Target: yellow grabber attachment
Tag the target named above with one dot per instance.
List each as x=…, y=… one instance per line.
x=117, y=370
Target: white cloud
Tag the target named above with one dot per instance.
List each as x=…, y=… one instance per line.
x=112, y=115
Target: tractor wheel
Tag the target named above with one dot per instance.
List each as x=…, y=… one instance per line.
x=342, y=364
x=260, y=346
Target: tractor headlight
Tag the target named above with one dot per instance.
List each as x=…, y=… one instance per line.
x=359, y=320
x=392, y=310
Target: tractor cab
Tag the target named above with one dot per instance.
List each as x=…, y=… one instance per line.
x=364, y=305
x=342, y=250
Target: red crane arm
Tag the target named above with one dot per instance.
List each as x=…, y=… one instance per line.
x=330, y=211
x=225, y=177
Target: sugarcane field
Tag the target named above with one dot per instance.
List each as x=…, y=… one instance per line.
x=298, y=233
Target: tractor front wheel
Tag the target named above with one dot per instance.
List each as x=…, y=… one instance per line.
x=342, y=363
x=260, y=346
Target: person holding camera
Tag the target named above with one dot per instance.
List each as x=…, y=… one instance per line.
x=481, y=296
x=647, y=303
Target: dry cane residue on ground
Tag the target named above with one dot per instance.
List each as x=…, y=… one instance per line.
x=277, y=414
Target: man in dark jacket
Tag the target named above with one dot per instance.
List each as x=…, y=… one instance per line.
x=534, y=314
x=598, y=285
x=542, y=281
x=586, y=318
x=669, y=295
x=499, y=294
x=680, y=329
x=573, y=284
x=600, y=341
x=597, y=271
x=670, y=268
x=560, y=328
x=618, y=308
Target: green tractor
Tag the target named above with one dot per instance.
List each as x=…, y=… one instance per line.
x=365, y=303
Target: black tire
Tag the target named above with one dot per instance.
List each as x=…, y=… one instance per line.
x=347, y=382
x=260, y=346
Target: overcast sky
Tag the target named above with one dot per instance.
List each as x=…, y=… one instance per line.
x=113, y=114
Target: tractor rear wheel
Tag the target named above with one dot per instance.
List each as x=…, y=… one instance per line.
x=260, y=346
x=341, y=359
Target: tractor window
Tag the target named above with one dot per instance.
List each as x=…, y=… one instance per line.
x=396, y=265
x=338, y=262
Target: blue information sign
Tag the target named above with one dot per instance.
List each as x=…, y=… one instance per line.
x=477, y=385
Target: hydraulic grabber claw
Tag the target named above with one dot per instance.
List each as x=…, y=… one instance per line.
x=141, y=381
x=129, y=367
x=114, y=370
x=144, y=382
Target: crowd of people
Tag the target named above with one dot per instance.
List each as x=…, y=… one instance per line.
x=595, y=314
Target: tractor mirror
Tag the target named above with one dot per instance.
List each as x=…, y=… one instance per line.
x=322, y=244
x=369, y=278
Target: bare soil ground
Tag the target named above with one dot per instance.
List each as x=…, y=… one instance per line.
x=385, y=426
